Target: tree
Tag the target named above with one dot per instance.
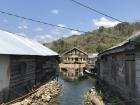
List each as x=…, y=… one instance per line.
x=124, y=28
x=101, y=29
x=100, y=48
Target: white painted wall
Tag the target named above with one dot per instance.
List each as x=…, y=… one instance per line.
x=4, y=71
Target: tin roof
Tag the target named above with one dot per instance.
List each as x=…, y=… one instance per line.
x=13, y=44
x=130, y=40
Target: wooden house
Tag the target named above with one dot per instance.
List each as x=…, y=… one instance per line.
x=24, y=63
x=92, y=58
x=119, y=66
x=74, y=61
x=74, y=56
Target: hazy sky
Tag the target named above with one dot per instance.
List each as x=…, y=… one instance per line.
x=64, y=13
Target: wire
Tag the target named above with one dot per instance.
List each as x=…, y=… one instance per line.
x=85, y=6
x=12, y=32
x=42, y=22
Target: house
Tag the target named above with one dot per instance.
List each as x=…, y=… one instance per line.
x=72, y=62
x=119, y=66
x=74, y=55
x=24, y=63
x=92, y=58
x=75, y=60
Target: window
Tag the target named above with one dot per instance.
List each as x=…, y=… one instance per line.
x=72, y=59
x=130, y=70
x=84, y=59
x=22, y=68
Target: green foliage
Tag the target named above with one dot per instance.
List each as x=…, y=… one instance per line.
x=96, y=41
x=100, y=47
x=101, y=29
x=124, y=28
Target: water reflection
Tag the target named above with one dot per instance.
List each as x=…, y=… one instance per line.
x=73, y=91
x=71, y=76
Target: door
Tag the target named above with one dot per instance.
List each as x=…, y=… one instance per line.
x=130, y=70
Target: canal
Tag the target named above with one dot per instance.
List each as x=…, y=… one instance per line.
x=73, y=91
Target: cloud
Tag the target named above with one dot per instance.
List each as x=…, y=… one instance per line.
x=75, y=32
x=61, y=25
x=55, y=11
x=55, y=31
x=58, y=30
x=23, y=25
x=39, y=29
x=54, y=34
x=43, y=38
x=104, y=22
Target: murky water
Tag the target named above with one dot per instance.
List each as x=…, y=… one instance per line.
x=73, y=91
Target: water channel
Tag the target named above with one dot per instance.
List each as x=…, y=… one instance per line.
x=73, y=91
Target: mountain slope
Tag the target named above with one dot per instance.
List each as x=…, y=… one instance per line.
x=97, y=40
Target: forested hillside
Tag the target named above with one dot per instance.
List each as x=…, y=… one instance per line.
x=97, y=40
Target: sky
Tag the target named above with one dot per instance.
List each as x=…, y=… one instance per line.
x=64, y=13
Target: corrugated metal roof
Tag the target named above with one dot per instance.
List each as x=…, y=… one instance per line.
x=132, y=38
x=18, y=45
x=129, y=39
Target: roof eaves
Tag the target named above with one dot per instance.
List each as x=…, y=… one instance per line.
x=72, y=49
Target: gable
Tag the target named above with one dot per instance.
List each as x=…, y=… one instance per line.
x=74, y=51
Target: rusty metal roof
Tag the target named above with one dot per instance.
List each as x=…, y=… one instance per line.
x=13, y=44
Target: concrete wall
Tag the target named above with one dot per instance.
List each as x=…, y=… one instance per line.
x=4, y=75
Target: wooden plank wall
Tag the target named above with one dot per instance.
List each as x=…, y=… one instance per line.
x=46, y=69
x=112, y=69
x=27, y=71
x=137, y=67
x=22, y=77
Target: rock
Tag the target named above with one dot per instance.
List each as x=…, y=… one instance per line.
x=44, y=95
x=33, y=104
x=46, y=98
